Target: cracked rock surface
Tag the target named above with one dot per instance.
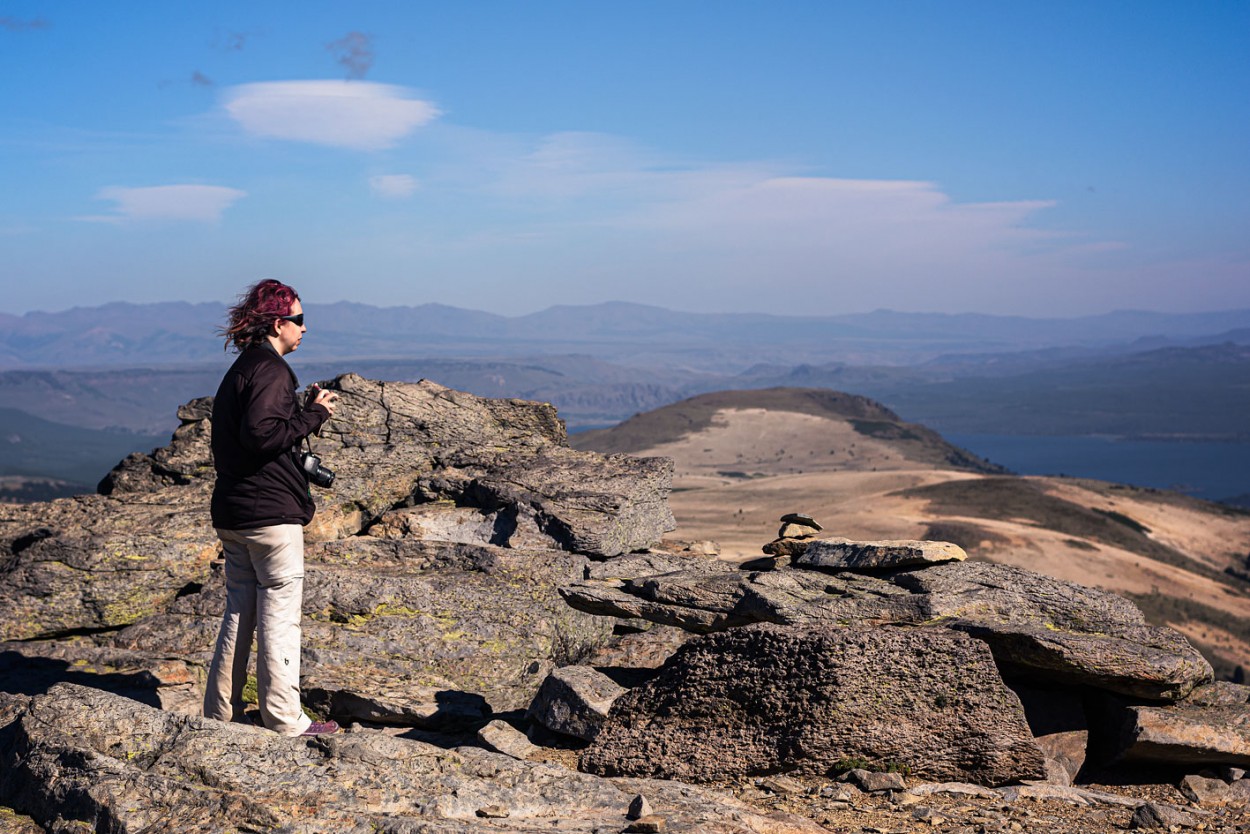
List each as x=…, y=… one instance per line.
x=79, y=756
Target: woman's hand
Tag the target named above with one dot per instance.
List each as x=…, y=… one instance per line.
x=326, y=399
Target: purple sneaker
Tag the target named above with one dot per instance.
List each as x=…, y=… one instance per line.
x=322, y=728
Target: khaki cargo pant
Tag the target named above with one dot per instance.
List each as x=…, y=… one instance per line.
x=264, y=593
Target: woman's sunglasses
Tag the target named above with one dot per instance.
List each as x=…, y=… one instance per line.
x=297, y=319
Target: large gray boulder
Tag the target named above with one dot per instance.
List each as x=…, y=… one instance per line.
x=1038, y=627
x=84, y=758
x=574, y=700
x=767, y=699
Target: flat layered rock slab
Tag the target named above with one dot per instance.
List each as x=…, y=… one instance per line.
x=130, y=768
x=94, y=561
x=1059, y=631
x=1187, y=733
x=33, y=667
x=765, y=699
x=705, y=600
x=361, y=691
x=845, y=554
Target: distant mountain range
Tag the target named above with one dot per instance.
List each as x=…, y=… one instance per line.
x=124, y=368
x=176, y=333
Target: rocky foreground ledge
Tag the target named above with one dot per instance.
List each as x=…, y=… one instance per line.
x=491, y=616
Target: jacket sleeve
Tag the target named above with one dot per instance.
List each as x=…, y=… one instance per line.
x=272, y=421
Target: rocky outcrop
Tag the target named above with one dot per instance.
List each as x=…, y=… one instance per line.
x=432, y=567
x=396, y=445
x=768, y=699
x=406, y=632
x=708, y=598
x=91, y=759
x=1036, y=626
x=188, y=459
x=95, y=562
x=1060, y=631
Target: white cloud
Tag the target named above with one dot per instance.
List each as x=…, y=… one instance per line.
x=593, y=218
x=203, y=203
x=349, y=114
x=393, y=186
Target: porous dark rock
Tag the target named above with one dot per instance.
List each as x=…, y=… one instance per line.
x=87, y=758
x=767, y=699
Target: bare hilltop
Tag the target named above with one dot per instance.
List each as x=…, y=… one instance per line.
x=745, y=458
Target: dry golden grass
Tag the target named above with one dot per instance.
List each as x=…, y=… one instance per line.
x=744, y=468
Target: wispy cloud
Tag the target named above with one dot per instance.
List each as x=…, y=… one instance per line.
x=393, y=186
x=198, y=203
x=14, y=24
x=628, y=222
x=354, y=53
x=349, y=114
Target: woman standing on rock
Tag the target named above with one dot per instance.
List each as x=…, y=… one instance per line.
x=261, y=503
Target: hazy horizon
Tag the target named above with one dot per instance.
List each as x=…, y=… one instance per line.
x=1046, y=159
x=610, y=302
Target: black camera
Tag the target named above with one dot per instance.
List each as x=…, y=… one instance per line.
x=317, y=474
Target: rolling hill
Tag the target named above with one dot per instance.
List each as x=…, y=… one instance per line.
x=745, y=458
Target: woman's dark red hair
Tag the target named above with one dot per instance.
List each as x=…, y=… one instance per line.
x=258, y=308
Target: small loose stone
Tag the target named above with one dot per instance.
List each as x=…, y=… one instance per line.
x=639, y=808
x=493, y=812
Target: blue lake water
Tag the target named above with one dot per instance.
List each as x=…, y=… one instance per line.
x=1205, y=470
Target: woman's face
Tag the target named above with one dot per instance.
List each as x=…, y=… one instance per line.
x=289, y=333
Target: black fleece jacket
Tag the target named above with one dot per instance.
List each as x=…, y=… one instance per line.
x=258, y=424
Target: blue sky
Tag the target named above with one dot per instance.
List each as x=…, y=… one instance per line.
x=1041, y=158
